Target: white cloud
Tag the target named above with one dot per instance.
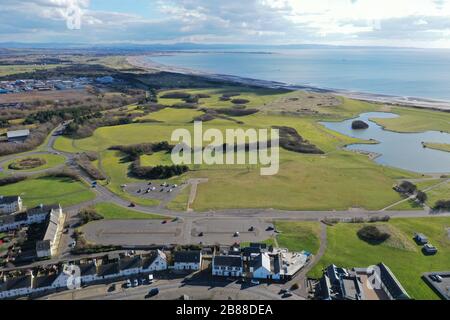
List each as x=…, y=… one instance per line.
x=378, y=22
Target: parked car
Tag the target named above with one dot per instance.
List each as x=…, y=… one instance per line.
x=255, y=282
x=128, y=284
x=150, y=278
x=439, y=278
x=152, y=293
x=132, y=205
x=112, y=288
x=135, y=283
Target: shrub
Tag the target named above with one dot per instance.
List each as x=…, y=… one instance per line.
x=11, y=179
x=89, y=214
x=372, y=234
x=176, y=95
x=421, y=196
x=407, y=187
x=158, y=172
x=292, y=141
x=27, y=163
x=234, y=112
x=442, y=205
x=240, y=101
x=358, y=125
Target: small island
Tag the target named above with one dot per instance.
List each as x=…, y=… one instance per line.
x=359, y=125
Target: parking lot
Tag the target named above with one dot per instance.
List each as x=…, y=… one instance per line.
x=154, y=191
x=134, y=232
x=229, y=231
x=190, y=231
x=440, y=282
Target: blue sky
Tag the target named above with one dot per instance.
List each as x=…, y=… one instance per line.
x=418, y=23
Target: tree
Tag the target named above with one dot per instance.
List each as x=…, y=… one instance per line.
x=421, y=196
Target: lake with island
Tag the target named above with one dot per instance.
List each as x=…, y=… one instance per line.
x=400, y=150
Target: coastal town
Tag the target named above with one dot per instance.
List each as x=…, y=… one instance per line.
x=213, y=159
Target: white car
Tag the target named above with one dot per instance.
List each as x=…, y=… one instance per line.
x=255, y=282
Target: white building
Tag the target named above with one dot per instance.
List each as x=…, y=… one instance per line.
x=10, y=204
x=187, y=260
x=259, y=266
x=35, y=215
x=227, y=265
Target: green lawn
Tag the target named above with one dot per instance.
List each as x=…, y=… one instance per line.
x=111, y=211
x=416, y=120
x=15, y=69
x=173, y=115
x=441, y=192
x=400, y=252
x=181, y=200
x=337, y=180
x=48, y=190
x=298, y=236
x=438, y=146
x=50, y=159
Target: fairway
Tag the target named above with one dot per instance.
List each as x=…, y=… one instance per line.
x=400, y=253
x=46, y=190
x=337, y=180
x=416, y=120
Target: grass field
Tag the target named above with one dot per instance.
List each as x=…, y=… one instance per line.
x=298, y=236
x=173, y=115
x=438, y=146
x=337, y=180
x=400, y=252
x=442, y=192
x=48, y=190
x=50, y=159
x=416, y=120
x=14, y=69
x=181, y=200
x=111, y=211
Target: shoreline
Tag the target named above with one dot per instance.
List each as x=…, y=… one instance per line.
x=144, y=62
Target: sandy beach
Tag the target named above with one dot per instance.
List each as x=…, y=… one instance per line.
x=145, y=63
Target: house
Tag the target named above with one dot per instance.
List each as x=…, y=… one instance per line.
x=259, y=266
x=373, y=283
x=18, y=135
x=15, y=287
x=43, y=249
x=420, y=238
x=130, y=265
x=54, y=229
x=429, y=249
x=40, y=213
x=88, y=272
x=227, y=265
x=187, y=260
x=108, y=270
x=10, y=204
x=156, y=261
x=35, y=215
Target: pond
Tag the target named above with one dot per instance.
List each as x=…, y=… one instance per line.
x=401, y=150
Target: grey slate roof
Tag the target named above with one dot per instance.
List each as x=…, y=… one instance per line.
x=228, y=261
x=42, y=209
x=43, y=245
x=87, y=269
x=108, y=269
x=392, y=284
x=187, y=257
x=130, y=263
x=8, y=199
x=18, y=133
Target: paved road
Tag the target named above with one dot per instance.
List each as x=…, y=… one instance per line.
x=173, y=289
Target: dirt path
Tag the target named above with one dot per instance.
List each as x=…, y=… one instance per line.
x=194, y=183
x=413, y=196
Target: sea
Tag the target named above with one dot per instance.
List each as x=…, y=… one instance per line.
x=416, y=73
